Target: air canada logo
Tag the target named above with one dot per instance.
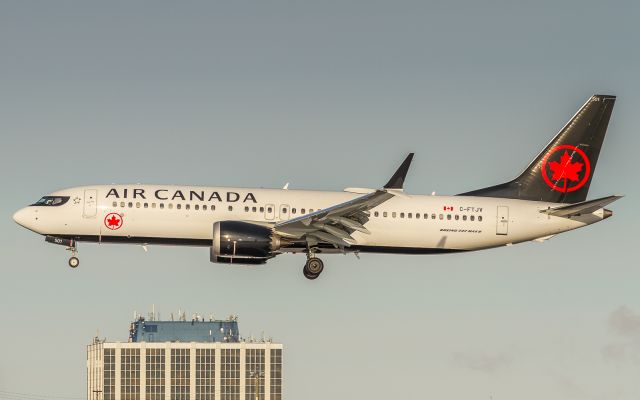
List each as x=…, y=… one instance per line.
x=113, y=221
x=566, y=168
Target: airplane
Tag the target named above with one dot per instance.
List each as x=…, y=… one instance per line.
x=251, y=226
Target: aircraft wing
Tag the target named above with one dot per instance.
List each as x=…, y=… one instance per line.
x=334, y=225
x=584, y=207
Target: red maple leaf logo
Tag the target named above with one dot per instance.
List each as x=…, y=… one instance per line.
x=113, y=221
x=565, y=169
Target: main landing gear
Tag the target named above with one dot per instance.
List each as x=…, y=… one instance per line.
x=313, y=267
x=73, y=261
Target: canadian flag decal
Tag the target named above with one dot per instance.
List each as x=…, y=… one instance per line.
x=448, y=208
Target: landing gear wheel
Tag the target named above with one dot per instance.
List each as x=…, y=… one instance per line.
x=313, y=268
x=74, y=262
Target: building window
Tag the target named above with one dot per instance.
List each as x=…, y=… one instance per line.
x=130, y=374
x=276, y=374
x=155, y=383
x=230, y=374
x=254, y=374
x=205, y=374
x=109, y=389
x=180, y=374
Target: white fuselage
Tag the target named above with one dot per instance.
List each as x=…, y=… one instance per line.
x=184, y=215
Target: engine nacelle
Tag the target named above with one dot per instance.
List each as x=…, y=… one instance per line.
x=236, y=242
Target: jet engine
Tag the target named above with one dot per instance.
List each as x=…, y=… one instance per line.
x=236, y=242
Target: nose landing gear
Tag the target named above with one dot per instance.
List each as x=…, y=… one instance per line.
x=313, y=267
x=73, y=261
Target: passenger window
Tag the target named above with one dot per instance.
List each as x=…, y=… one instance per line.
x=293, y=211
x=393, y=214
x=197, y=207
x=409, y=215
x=178, y=206
x=115, y=204
x=302, y=211
x=284, y=210
x=464, y=217
x=269, y=209
x=261, y=209
x=138, y=204
x=122, y=204
x=449, y=216
x=375, y=214
x=472, y=218
x=188, y=207
x=246, y=209
x=170, y=206
x=204, y=207
x=130, y=205
x=433, y=216
x=253, y=209
x=441, y=216
x=417, y=215
x=213, y=207
x=384, y=214
x=480, y=218
x=457, y=217
x=161, y=206
x=153, y=205
x=146, y=205
x=310, y=210
x=401, y=215
x=230, y=208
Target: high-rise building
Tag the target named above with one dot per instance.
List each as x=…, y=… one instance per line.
x=193, y=359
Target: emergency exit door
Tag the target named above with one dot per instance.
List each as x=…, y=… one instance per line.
x=502, y=227
x=90, y=209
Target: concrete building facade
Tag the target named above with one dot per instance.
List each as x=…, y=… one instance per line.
x=156, y=364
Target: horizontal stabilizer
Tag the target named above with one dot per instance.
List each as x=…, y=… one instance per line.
x=585, y=207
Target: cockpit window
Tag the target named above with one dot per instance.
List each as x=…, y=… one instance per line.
x=52, y=201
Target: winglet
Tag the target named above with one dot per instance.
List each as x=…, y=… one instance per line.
x=397, y=180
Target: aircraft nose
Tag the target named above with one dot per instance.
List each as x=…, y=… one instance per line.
x=21, y=217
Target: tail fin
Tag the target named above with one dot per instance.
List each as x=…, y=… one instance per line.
x=562, y=172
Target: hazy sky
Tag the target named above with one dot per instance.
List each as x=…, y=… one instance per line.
x=326, y=95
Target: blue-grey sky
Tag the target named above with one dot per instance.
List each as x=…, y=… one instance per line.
x=326, y=95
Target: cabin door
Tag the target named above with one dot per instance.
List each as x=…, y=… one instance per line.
x=502, y=227
x=90, y=209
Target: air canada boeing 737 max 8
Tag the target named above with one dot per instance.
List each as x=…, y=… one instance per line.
x=251, y=226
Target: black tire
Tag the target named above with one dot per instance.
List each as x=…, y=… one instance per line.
x=309, y=275
x=74, y=262
x=314, y=266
